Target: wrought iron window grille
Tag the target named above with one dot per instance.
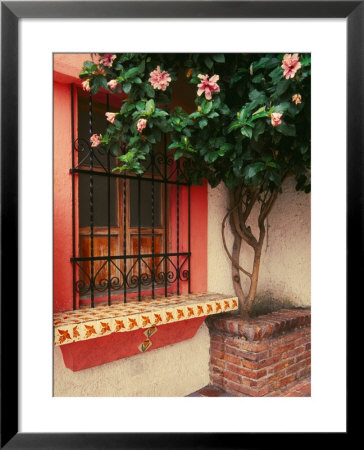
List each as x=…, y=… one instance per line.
x=165, y=266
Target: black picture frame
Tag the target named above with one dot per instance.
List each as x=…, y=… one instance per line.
x=11, y=12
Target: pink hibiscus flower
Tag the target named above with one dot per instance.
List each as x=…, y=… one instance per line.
x=297, y=99
x=112, y=84
x=159, y=80
x=95, y=140
x=110, y=117
x=86, y=85
x=290, y=65
x=207, y=86
x=107, y=59
x=141, y=124
x=275, y=119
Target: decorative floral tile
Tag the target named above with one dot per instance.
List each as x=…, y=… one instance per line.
x=90, y=323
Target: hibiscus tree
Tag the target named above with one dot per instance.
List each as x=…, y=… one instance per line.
x=250, y=130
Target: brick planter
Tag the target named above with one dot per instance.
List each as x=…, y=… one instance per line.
x=257, y=357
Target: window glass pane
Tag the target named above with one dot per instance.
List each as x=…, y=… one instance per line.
x=99, y=200
x=146, y=190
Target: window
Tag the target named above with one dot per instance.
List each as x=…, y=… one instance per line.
x=131, y=234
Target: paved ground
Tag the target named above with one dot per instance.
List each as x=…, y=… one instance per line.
x=299, y=389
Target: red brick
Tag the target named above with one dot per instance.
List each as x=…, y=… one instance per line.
x=276, y=376
x=217, y=370
x=232, y=359
x=216, y=380
x=217, y=338
x=242, y=353
x=234, y=341
x=232, y=376
x=308, y=346
x=216, y=354
x=303, y=356
x=295, y=368
x=282, y=365
x=264, y=363
x=254, y=346
x=252, y=373
x=296, y=351
x=219, y=347
x=247, y=390
x=218, y=362
x=283, y=348
x=285, y=381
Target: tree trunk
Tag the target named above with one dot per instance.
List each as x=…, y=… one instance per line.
x=236, y=274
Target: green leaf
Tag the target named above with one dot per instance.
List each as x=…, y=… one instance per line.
x=234, y=125
x=275, y=177
x=282, y=107
x=95, y=85
x=243, y=114
x=131, y=72
x=261, y=63
x=253, y=169
x=115, y=149
x=177, y=154
x=247, y=131
x=150, y=106
x=281, y=87
x=259, y=110
x=89, y=66
x=219, y=58
x=257, y=95
x=306, y=61
x=211, y=157
x=126, y=87
x=286, y=129
x=202, y=123
x=258, y=78
x=207, y=107
x=258, y=129
x=149, y=90
x=276, y=74
x=209, y=62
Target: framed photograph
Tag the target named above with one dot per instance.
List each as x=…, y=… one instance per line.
x=35, y=414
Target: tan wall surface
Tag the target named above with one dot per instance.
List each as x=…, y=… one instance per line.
x=285, y=271
x=173, y=371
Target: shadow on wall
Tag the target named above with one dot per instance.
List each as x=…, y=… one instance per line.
x=266, y=303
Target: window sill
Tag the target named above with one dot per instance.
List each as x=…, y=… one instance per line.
x=90, y=323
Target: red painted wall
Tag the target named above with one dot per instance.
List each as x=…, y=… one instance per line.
x=62, y=198
x=66, y=69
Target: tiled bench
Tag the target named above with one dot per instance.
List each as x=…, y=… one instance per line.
x=125, y=329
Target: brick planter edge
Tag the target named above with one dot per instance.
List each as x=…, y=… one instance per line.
x=257, y=357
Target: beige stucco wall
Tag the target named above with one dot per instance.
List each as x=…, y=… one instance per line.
x=285, y=272
x=173, y=371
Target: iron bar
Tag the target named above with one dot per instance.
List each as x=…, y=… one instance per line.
x=73, y=201
x=139, y=240
x=108, y=220
x=189, y=239
x=124, y=233
x=129, y=177
x=91, y=204
x=165, y=214
x=153, y=260
x=143, y=255
x=177, y=211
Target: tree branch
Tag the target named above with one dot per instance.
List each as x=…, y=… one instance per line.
x=234, y=262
